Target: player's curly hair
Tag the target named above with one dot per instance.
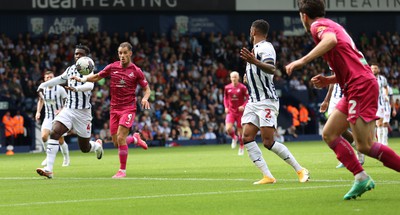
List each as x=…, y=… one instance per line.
x=261, y=25
x=83, y=47
x=313, y=8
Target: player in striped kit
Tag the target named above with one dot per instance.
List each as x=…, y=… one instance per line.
x=262, y=109
x=383, y=106
x=53, y=99
x=125, y=76
x=75, y=115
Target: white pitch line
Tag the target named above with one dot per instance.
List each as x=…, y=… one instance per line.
x=164, y=196
x=185, y=179
x=177, y=195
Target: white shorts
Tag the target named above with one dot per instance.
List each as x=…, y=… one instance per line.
x=48, y=124
x=80, y=120
x=387, y=112
x=261, y=114
x=381, y=111
x=332, y=105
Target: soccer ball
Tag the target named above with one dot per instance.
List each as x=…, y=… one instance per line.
x=84, y=65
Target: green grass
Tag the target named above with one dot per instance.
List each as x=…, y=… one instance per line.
x=193, y=180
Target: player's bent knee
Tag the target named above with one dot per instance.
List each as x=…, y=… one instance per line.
x=55, y=135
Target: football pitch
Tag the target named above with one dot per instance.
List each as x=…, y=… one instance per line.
x=209, y=179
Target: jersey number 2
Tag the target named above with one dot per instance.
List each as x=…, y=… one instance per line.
x=352, y=107
x=268, y=115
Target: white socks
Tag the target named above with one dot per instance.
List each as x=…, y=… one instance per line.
x=385, y=136
x=94, y=146
x=65, y=150
x=51, y=151
x=255, y=155
x=283, y=152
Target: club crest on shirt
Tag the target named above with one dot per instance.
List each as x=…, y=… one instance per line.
x=131, y=75
x=121, y=83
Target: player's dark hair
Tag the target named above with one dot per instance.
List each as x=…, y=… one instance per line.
x=83, y=47
x=127, y=45
x=261, y=25
x=313, y=8
x=374, y=63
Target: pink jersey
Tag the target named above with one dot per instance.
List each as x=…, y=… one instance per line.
x=123, y=84
x=235, y=96
x=349, y=65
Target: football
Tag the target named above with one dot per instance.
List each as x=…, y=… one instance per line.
x=84, y=65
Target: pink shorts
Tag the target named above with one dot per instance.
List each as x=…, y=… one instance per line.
x=123, y=118
x=232, y=118
x=360, y=101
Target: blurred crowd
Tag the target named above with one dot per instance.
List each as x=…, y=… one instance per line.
x=187, y=73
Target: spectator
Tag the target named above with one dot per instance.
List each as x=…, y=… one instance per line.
x=303, y=117
x=9, y=132
x=295, y=120
x=210, y=135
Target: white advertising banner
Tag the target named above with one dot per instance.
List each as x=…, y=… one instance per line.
x=331, y=5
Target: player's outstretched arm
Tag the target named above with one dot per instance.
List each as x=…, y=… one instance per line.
x=87, y=78
x=327, y=43
x=51, y=83
x=145, y=99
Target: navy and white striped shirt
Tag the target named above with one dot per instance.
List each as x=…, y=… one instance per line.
x=76, y=100
x=336, y=92
x=260, y=84
x=382, y=82
x=53, y=100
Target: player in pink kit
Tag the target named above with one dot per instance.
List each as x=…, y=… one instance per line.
x=125, y=76
x=358, y=106
x=235, y=99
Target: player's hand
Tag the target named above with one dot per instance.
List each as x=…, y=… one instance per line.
x=145, y=104
x=324, y=106
x=73, y=89
x=394, y=112
x=297, y=64
x=319, y=81
x=246, y=55
x=241, y=109
x=245, y=78
x=40, y=88
x=37, y=116
x=76, y=78
x=226, y=110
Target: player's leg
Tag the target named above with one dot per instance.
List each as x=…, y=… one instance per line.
x=120, y=138
x=238, y=119
x=230, y=129
x=52, y=148
x=255, y=153
x=81, y=120
x=64, y=150
x=336, y=125
x=135, y=138
x=349, y=137
x=45, y=137
x=241, y=143
x=267, y=135
x=379, y=130
x=366, y=145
